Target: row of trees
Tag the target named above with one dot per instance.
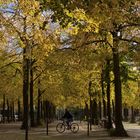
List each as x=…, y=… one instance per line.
x=70, y=53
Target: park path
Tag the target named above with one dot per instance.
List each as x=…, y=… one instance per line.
x=13, y=129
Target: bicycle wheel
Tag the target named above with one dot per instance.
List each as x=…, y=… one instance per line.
x=74, y=127
x=60, y=127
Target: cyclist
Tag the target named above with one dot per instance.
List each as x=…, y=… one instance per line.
x=69, y=118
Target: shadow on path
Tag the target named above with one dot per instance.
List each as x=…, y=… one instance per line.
x=12, y=131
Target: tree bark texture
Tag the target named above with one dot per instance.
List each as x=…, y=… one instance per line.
x=103, y=94
x=38, y=104
x=109, y=121
x=119, y=130
x=3, y=110
x=31, y=98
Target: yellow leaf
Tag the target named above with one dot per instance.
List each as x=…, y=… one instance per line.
x=109, y=38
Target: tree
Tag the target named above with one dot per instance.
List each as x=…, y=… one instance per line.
x=23, y=21
x=112, y=25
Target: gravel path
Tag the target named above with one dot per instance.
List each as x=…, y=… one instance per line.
x=12, y=131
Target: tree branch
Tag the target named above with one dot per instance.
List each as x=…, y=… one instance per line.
x=95, y=41
x=130, y=40
x=9, y=64
x=128, y=25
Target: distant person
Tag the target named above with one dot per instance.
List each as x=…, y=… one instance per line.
x=68, y=116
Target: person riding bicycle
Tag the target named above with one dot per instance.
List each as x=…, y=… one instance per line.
x=68, y=116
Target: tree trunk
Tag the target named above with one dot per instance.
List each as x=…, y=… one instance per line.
x=104, y=108
x=26, y=71
x=109, y=121
x=100, y=110
x=41, y=111
x=3, y=110
x=31, y=98
x=103, y=94
x=12, y=111
x=38, y=104
x=19, y=110
x=47, y=116
x=94, y=112
x=132, y=115
x=113, y=110
x=25, y=91
x=139, y=95
x=8, y=111
x=119, y=131
x=90, y=106
x=87, y=113
x=125, y=110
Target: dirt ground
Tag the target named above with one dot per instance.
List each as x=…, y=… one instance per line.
x=12, y=131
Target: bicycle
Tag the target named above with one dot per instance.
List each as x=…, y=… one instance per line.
x=62, y=126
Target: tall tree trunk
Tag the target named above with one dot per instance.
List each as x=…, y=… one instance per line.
x=25, y=96
x=113, y=110
x=3, y=110
x=103, y=94
x=104, y=108
x=125, y=110
x=119, y=131
x=41, y=111
x=91, y=111
x=94, y=112
x=38, y=103
x=100, y=110
x=109, y=122
x=26, y=71
x=132, y=115
x=13, y=111
x=139, y=93
x=47, y=116
x=19, y=110
x=87, y=113
x=25, y=91
x=8, y=111
x=31, y=98
x=90, y=106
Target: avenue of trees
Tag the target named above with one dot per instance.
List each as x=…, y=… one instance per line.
x=70, y=53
